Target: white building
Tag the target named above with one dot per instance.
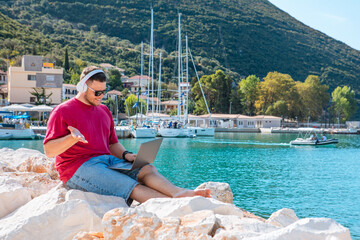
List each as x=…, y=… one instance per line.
x=68, y=91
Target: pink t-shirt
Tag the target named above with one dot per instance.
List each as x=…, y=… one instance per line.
x=94, y=122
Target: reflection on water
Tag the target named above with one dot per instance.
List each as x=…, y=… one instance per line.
x=265, y=173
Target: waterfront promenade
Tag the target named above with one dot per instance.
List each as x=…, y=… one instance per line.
x=122, y=132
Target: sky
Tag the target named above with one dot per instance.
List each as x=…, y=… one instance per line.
x=339, y=19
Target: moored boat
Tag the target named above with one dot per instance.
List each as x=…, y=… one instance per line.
x=5, y=136
x=12, y=133
x=144, y=132
x=200, y=131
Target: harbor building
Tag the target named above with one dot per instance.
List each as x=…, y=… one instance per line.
x=33, y=74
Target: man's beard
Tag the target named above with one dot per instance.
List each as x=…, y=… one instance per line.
x=90, y=102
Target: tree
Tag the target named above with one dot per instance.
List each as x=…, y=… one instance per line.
x=276, y=87
x=209, y=92
x=217, y=91
x=125, y=92
x=222, y=85
x=279, y=108
x=236, y=97
x=41, y=96
x=74, y=77
x=115, y=80
x=314, y=96
x=248, y=88
x=131, y=101
x=66, y=61
x=344, y=103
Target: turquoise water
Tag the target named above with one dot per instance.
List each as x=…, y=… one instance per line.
x=265, y=173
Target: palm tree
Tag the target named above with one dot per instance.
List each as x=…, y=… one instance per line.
x=41, y=97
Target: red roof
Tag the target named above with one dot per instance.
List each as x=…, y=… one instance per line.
x=114, y=92
x=137, y=77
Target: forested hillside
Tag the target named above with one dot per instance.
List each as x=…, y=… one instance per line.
x=243, y=36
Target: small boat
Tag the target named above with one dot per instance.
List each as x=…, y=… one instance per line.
x=304, y=141
x=312, y=139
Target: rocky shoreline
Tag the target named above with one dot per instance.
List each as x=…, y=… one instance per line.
x=35, y=205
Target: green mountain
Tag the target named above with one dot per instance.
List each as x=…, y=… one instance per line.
x=244, y=36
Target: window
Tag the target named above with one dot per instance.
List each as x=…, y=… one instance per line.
x=32, y=77
x=50, y=78
x=32, y=99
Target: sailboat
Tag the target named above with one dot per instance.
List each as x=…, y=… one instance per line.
x=179, y=128
x=144, y=130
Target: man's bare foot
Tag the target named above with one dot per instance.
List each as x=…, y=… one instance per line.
x=193, y=193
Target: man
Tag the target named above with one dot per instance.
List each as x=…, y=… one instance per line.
x=81, y=135
x=323, y=137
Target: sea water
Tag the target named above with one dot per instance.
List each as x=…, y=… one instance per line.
x=265, y=173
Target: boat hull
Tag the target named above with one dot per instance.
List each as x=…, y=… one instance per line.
x=144, y=133
x=199, y=131
x=17, y=134
x=175, y=132
x=313, y=142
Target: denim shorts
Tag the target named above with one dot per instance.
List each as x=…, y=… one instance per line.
x=95, y=176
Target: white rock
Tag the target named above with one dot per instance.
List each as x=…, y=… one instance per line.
x=240, y=228
x=133, y=223
x=36, y=183
x=201, y=222
x=220, y=191
x=283, y=217
x=123, y=223
x=309, y=228
x=179, y=207
x=58, y=215
x=27, y=160
x=15, y=158
x=88, y=236
x=12, y=195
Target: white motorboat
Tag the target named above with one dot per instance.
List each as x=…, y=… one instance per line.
x=14, y=133
x=311, y=138
x=144, y=132
x=175, y=132
x=305, y=141
x=5, y=135
x=200, y=131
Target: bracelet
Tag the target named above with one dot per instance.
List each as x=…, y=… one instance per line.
x=124, y=154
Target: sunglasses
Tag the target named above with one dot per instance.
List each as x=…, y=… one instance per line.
x=98, y=93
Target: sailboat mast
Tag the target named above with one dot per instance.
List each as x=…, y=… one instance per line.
x=152, y=64
x=179, y=67
x=148, y=88
x=138, y=92
x=187, y=80
x=159, y=89
x=141, y=75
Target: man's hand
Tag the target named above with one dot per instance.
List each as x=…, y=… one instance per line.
x=130, y=157
x=77, y=135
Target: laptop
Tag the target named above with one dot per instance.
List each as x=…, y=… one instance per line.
x=146, y=155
